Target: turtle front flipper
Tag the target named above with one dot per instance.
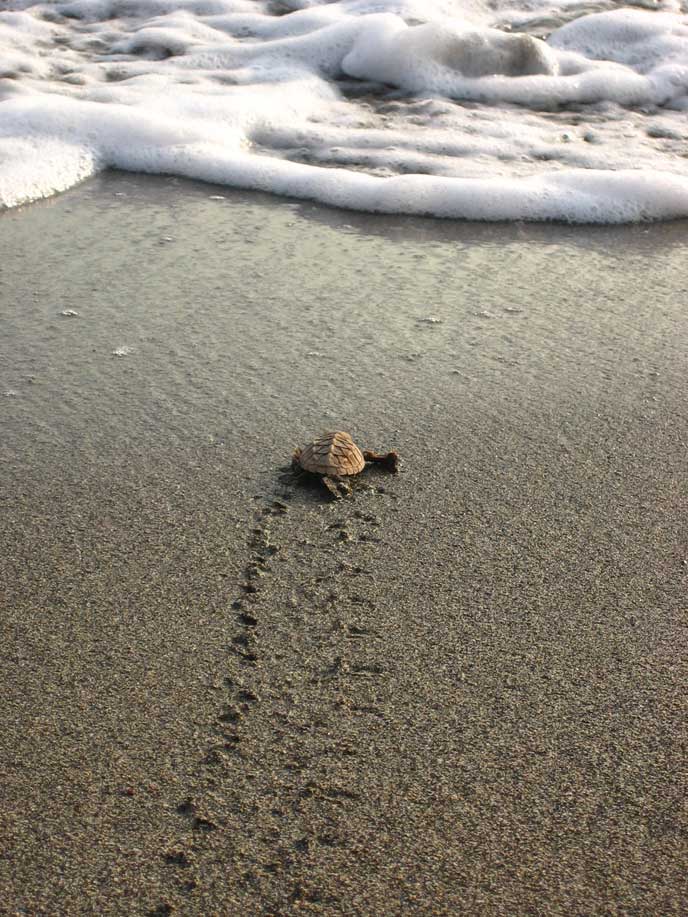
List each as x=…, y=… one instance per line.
x=337, y=486
x=389, y=459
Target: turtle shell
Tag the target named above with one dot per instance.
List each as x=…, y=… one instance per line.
x=332, y=454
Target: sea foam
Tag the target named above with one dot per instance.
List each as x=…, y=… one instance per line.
x=474, y=110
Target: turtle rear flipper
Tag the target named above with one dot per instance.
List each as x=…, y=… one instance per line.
x=338, y=487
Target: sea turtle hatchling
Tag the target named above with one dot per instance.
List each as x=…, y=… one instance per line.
x=336, y=457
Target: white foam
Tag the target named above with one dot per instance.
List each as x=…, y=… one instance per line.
x=39, y=166
x=392, y=106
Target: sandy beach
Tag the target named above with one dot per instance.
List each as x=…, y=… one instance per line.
x=461, y=691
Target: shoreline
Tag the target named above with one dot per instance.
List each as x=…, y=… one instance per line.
x=460, y=692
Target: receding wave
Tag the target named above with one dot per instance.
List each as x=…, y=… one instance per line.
x=457, y=110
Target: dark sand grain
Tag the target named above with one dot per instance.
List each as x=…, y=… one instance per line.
x=460, y=692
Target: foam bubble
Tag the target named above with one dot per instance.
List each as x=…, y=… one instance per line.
x=40, y=166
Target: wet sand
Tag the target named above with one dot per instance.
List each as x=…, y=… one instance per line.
x=460, y=692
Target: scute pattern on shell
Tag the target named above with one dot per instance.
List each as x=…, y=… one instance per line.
x=332, y=454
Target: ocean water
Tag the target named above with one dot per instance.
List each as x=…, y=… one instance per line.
x=573, y=110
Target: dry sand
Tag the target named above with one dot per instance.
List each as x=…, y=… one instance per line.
x=461, y=691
